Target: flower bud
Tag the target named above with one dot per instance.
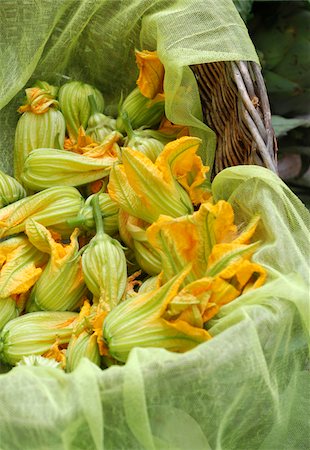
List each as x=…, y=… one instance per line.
x=51, y=207
x=47, y=167
x=74, y=103
x=10, y=190
x=41, y=125
x=34, y=334
x=8, y=310
x=104, y=265
x=141, y=111
x=109, y=212
x=99, y=125
x=82, y=346
x=61, y=286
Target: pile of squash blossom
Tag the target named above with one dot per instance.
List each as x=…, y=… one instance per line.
x=109, y=236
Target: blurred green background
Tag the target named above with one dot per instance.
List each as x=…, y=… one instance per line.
x=280, y=31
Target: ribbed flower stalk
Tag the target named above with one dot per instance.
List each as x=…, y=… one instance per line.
x=109, y=212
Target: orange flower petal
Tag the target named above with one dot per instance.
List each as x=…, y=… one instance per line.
x=151, y=76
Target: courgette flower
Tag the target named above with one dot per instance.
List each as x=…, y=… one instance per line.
x=147, y=190
x=39, y=98
x=104, y=264
x=51, y=207
x=140, y=321
x=61, y=286
x=219, y=255
x=21, y=266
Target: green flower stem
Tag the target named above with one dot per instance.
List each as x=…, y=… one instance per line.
x=97, y=215
x=93, y=105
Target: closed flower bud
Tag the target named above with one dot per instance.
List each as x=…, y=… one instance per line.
x=51, y=207
x=74, y=103
x=148, y=285
x=143, y=140
x=82, y=346
x=99, y=125
x=10, y=190
x=109, y=212
x=34, y=334
x=146, y=256
x=8, y=310
x=33, y=131
x=46, y=167
x=141, y=111
x=104, y=265
x=149, y=146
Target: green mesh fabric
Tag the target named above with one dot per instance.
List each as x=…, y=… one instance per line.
x=94, y=41
x=247, y=388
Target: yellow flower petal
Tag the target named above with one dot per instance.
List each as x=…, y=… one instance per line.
x=83, y=141
x=248, y=275
x=196, y=334
x=21, y=269
x=120, y=190
x=39, y=100
x=156, y=194
x=56, y=352
x=223, y=292
x=97, y=327
x=191, y=302
x=108, y=148
x=43, y=239
x=178, y=161
x=8, y=246
x=151, y=76
x=177, y=157
x=221, y=221
x=211, y=310
x=176, y=241
x=224, y=257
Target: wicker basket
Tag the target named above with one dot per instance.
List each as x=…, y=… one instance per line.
x=236, y=106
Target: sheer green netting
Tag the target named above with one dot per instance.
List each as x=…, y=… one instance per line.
x=247, y=388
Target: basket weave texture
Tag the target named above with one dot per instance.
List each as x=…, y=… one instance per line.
x=235, y=105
